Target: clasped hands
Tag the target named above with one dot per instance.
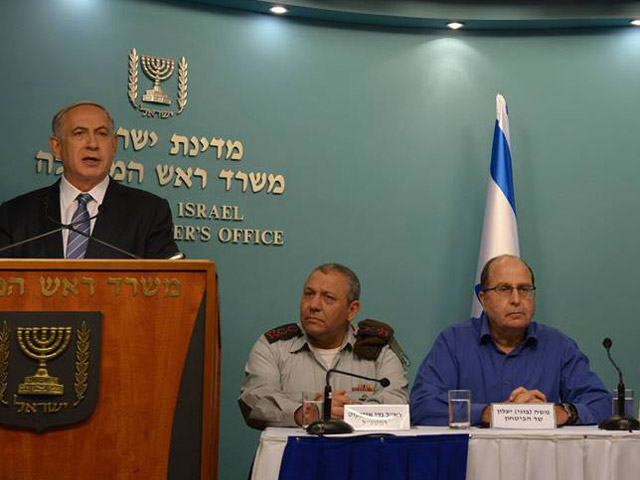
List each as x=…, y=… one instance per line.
x=339, y=399
x=522, y=395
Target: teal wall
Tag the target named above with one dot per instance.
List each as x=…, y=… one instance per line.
x=384, y=139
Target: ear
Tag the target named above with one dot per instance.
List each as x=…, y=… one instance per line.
x=354, y=308
x=114, y=144
x=481, y=297
x=56, y=147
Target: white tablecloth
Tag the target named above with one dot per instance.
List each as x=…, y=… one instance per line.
x=569, y=453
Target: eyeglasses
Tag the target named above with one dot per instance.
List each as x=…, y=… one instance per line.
x=526, y=291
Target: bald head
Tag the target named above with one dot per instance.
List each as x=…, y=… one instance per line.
x=485, y=275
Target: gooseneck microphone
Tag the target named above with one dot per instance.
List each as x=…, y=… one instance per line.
x=30, y=239
x=34, y=238
x=620, y=400
x=620, y=421
x=71, y=227
x=327, y=426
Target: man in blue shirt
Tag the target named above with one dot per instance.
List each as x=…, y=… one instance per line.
x=505, y=357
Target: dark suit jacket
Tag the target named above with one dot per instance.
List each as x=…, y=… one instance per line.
x=133, y=220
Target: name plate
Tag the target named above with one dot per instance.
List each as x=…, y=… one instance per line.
x=377, y=417
x=524, y=416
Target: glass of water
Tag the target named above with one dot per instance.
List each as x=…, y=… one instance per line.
x=311, y=408
x=459, y=408
x=628, y=402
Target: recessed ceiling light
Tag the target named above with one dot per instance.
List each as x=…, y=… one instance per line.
x=455, y=25
x=635, y=22
x=278, y=10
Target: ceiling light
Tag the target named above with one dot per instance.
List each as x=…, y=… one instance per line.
x=635, y=22
x=455, y=25
x=278, y=10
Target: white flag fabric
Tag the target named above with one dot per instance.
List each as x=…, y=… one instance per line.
x=500, y=227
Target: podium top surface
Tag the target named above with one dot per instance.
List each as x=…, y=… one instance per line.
x=104, y=264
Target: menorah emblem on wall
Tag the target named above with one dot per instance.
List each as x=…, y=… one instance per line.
x=42, y=344
x=158, y=70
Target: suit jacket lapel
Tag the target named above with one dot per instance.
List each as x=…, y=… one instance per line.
x=106, y=222
x=51, y=211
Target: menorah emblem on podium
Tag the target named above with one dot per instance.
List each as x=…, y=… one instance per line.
x=42, y=344
x=158, y=70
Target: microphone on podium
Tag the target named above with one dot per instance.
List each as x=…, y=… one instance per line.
x=620, y=421
x=71, y=227
x=60, y=227
x=327, y=426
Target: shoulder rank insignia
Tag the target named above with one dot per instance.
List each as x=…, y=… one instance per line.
x=372, y=336
x=283, y=332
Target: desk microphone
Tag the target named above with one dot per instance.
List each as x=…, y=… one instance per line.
x=620, y=421
x=327, y=426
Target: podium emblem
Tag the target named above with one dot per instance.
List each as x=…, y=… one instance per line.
x=49, y=368
x=42, y=344
x=157, y=70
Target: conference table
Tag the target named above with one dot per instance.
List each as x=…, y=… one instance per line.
x=567, y=453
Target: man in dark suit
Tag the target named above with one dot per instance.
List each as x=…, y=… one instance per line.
x=131, y=220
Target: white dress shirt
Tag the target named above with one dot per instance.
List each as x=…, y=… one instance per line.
x=69, y=204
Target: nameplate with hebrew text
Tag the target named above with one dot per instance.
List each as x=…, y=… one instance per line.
x=523, y=416
x=377, y=417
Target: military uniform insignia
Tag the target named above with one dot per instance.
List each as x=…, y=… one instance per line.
x=373, y=328
x=372, y=336
x=49, y=365
x=283, y=332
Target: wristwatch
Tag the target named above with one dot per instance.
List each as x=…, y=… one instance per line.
x=572, y=413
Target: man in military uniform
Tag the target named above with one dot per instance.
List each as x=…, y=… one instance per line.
x=295, y=358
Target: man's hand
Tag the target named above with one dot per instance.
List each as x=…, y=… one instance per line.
x=522, y=395
x=561, y=415
x=297, y=416
x=486, y=415
x=339, y=399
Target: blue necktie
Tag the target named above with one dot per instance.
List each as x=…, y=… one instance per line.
x=77, y=242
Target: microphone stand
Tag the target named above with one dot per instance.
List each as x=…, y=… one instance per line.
x=328, y=426
x=30, y=239
x=71, y=227
x=102, y=242
x=620, y=421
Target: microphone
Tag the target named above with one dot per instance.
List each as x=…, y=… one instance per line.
x=30, y=239
x=40, y=235
x=71, y=227
x=327, y=426
x=620, y=421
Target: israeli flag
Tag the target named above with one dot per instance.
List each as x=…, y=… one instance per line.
x=500, y=228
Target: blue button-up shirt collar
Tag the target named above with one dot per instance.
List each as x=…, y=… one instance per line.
x=530, y=337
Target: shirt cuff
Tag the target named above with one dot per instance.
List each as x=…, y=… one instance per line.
x=584, y=415
x=476, y=413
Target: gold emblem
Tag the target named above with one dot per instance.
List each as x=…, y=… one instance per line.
x=42, y=344
x=66, y=344
x=157, y=70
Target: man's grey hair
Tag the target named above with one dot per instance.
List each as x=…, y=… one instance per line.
x=56, y=121
x=486, y=270
x=353, y=293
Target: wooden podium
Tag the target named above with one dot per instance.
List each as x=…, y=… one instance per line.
x=157, y=407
